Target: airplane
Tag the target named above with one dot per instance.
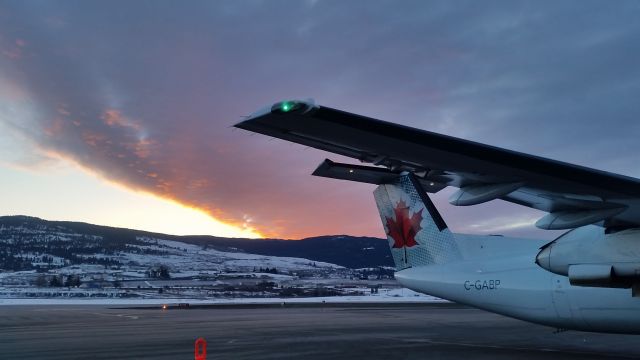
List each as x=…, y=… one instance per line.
x=587, y=279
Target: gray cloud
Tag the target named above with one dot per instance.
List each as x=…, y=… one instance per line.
x=145, y=92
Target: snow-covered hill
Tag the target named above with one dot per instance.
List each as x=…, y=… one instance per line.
x=39, y=259
x=27, y=240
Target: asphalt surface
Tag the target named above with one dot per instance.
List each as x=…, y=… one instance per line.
x=306, y=332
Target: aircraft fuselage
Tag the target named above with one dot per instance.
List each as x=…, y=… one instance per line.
x=505, y=280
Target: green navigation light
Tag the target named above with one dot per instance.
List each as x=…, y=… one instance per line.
x=286, y=106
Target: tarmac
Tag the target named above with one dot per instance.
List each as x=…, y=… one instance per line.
x=336, y=331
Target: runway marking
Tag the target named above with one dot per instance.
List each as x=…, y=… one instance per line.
x=133, y=317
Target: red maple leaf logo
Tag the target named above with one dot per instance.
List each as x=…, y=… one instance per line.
x=403, y=229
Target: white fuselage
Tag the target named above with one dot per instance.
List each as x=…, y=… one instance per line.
x=499, y=274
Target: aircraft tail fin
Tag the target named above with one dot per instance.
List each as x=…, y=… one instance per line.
x=417, y=234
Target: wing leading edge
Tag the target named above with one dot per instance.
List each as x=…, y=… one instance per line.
x=572, y=195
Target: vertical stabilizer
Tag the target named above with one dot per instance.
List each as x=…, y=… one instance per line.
x=417, y=234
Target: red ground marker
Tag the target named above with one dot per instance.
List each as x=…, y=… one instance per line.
x=201, y=349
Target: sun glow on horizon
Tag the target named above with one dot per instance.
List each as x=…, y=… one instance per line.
x=68, y=192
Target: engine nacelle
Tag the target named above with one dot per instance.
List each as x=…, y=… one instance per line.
x=589, y=257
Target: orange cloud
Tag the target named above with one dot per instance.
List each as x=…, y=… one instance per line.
x=55, y=128
x=237, y=187
x=114, y=117
x=92, y=138
x=142, y=148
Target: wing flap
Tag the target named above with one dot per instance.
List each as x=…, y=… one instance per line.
x=359, y=173
x=367, y=174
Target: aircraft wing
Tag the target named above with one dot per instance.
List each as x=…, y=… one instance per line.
x=572, y=195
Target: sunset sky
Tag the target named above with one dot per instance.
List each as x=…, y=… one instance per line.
x=120, y=112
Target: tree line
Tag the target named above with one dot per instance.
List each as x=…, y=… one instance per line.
x=57, y=281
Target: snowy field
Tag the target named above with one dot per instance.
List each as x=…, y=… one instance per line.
x=385, y=296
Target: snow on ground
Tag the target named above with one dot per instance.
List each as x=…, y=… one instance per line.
x=17, y=274
x=187, y=257
x=37, y=257
x=260, y=275
x=134, y=274
x=170, y=244
x=392, y=296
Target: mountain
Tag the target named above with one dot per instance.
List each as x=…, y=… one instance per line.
x=24, y=238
